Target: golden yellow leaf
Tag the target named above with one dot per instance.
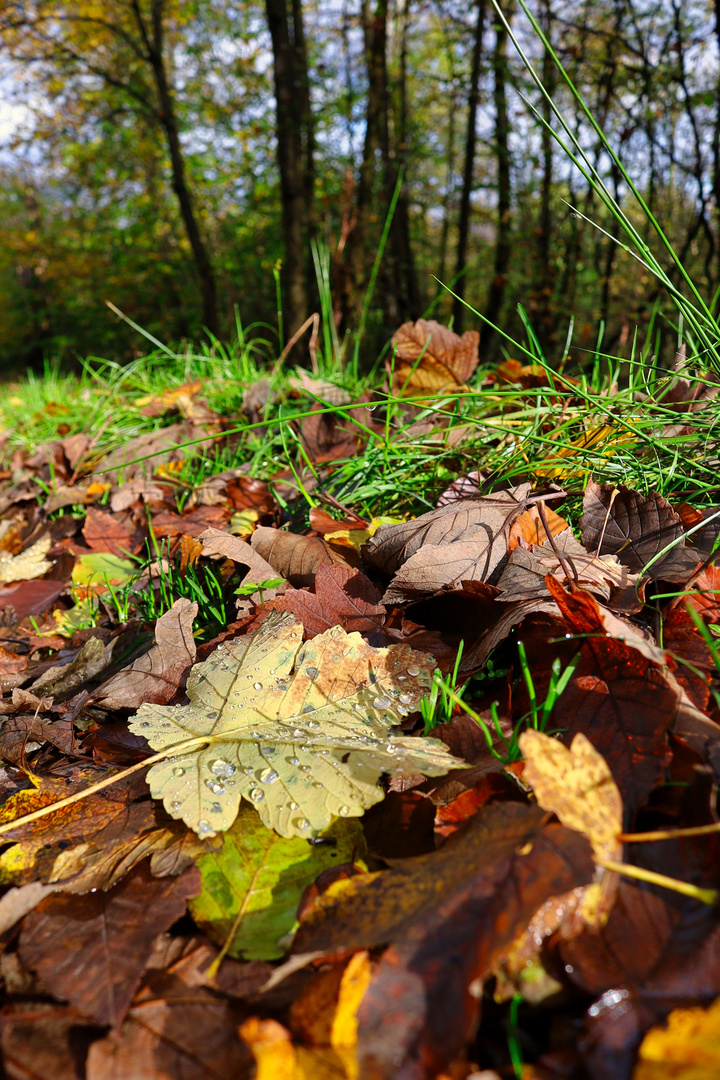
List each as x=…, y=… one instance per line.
x=686, y=1048
x=577, y=458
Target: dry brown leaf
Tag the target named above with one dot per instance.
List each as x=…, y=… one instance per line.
x=92, y=950
x=524, y=575
x=156, y=676
x=445, y=359
x=103, y=532
x=296, y=558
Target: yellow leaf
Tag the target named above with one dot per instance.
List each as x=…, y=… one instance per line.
x=243, y=522
x=355, y=538
x=27, y=565
x=597, y=443
x=687, y=1048
x=343, y=1037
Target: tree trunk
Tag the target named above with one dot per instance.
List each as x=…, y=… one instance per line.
x=294, y=154
x=168, y=121
x=541, y=308
x=469, y=170
x=496, y=293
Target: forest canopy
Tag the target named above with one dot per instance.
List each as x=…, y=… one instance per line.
x=191, y=162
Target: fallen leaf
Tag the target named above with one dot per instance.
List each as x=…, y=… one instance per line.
x=297, y=558
x=301, y=731
x=465, y=487
x=43, y=1041
x=215, y=542
x=529, y=528
x=448, y=915
x=429, y=358
x=524, y=575
x=157, y=404
x=92, y=950
x=92, y=658
x=94, y=574
x=635, y=527
x=617, y=696
x=29, y=564
x=195, y=522
x=343, y=597
x=103, y=532
x=156, y=676
x=252, y=887
x=16, y=731
x=686, y=1048
x=31, y=597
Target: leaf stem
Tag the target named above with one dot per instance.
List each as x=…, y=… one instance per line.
x=707, y=896
x=188, y=744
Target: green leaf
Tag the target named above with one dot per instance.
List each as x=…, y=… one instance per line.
x=303, y=732
x=252, y=887
x=100, y=568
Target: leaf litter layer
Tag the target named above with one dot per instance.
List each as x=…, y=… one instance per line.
x=287, y=714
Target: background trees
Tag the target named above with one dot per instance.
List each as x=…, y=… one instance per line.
x=165, y=154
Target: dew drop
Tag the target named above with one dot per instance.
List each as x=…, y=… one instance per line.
x=317, y=785
x=313, y=725
x=299, y=733
x=146, y=723
x=257, y=795
x=391, y=748
x=212, y=716
x=406, y=698
x=204, y=827
x=302, y=823
x=312, y=672
x=249, y=771
x=215, y=787
x=382, y=703
x=304, y=768
x=220, y=767
x=216, y=808
x=257, y=686
x=268, y=776
x=177, y=771
x=175, y=804
x=294, y=760
x=343, y=811
x=267, y=749
x=293, y=806
x=308, y=708
x=413, y=669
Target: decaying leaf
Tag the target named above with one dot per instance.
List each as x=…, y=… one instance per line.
x=297, y=558
x=27, y=565
x=635, y=527
x=156, y=675
x=301, y=731
x=430, y=358
x=252, y=887
x=92, y=950
x=103, y=532
x=448, y=915
x=343, y=597
x=524, y=575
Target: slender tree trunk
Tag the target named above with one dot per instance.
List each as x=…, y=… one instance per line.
x=469, y=169
x=167, y=117
x=294, y=153
x=396, y=167
x=359, y=248
x=716, y=152
x=541, y=307
x=498, y=285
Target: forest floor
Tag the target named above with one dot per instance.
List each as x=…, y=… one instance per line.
x=336, y=711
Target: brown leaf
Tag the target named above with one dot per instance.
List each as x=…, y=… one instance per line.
x=618, y=696
x=31, y=597
x=695, y=666
x=159, y=444
x=103, y=532
x=297, y=558
x=92, y=950
x=524, y=575
x=166, y=523
x=448, y=915
x=484, y=522
x=465, y=487
x=635, y=527
x=43, y=1041
x=16, y=731
x=92, y=658
x=174, y=1032
x=321, y=522
x=156, y=676
x=247, y=494
x=343, y=597
x=446, y=360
